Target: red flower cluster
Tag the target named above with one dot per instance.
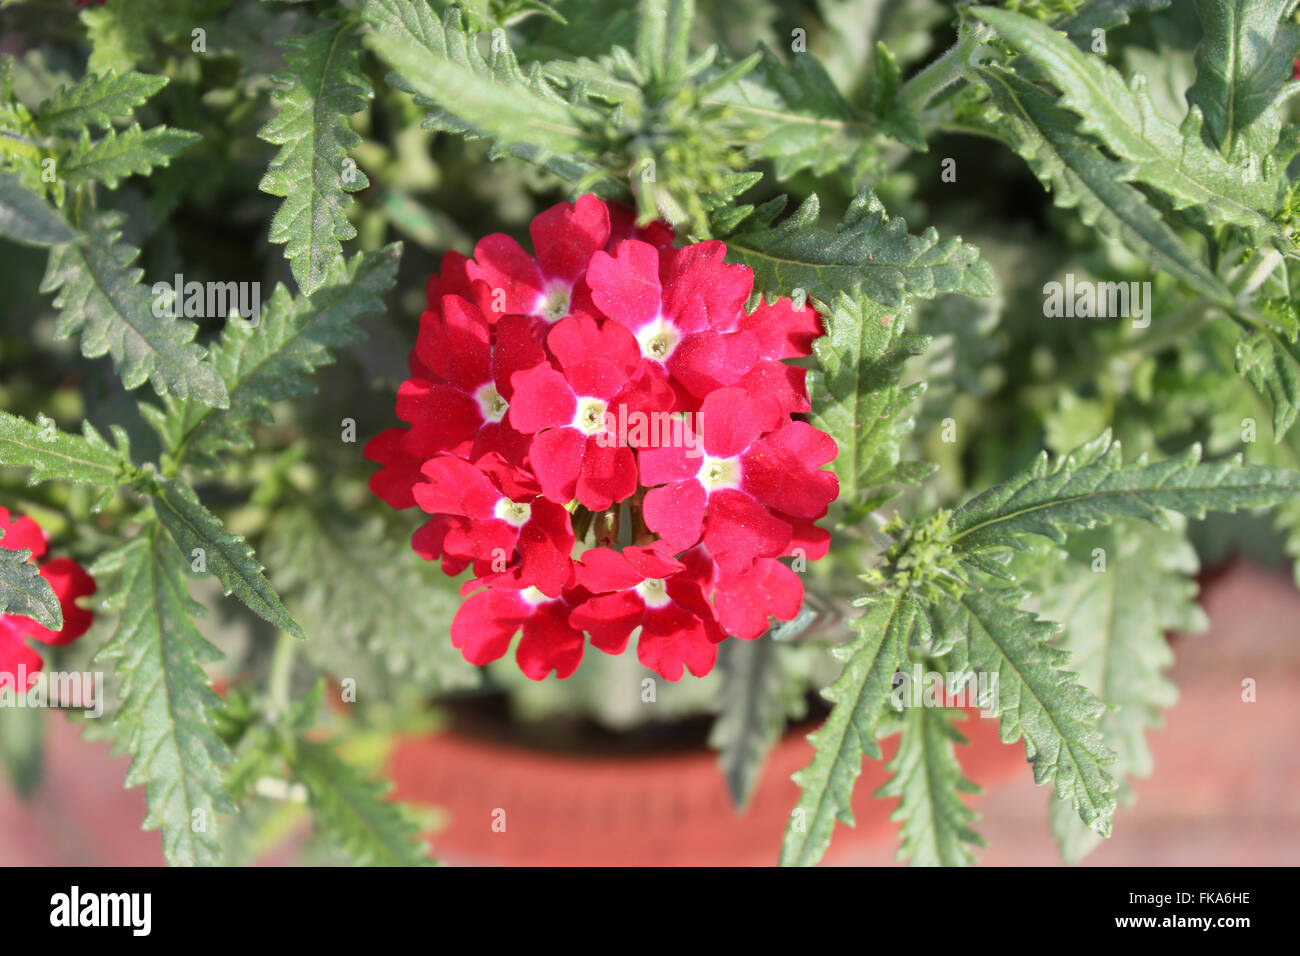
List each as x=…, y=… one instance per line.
x=608, y=371
x=69, y=581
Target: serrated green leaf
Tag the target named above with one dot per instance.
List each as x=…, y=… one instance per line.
x=860, y=696
x=27, y=218
x=928, y=781
x=859, y=400
x=1116, y=616
x=1080, y=176
x=1244, y=63
x=1092, y=486
x=350, y=810
x=1104, y=15
x=751, y=712
x=868, y=252
x=1272, y=366
x=274, y=360
x=116, y=156
x=1172, y=159
x=165, y=722
x=200, y=536
x=96, y=101
x=330, y=563
x=23, y=590
x=320, y=87
x=799, y=119
x=1037, y=698
x=100, y=297
x=54, y=455
x=474, y=96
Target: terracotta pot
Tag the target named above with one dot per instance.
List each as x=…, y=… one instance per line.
x=668, y=809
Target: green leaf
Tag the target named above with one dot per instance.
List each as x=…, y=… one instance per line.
x=23, y=590
x=27, y=218
x=330, y=562
x=273, y=360
x=868, y=252
x=100, y=296
x=1172, y=159
x=800, y=120
x=1036, y=697
x=1104, y=15
x=320, y=87
x=1091, y=486
x=474, y=96
x=96, y=101
x=54, y=455
x=929, y=783
x=201, y=539
x=859, y=400
x=751, y=713
x=860, y=696
x=1244, y=64
x=165, y=721
x=350, y=810
x=1080, y=176
x=1116, y=617
x=1272, y=366
x=116, y=156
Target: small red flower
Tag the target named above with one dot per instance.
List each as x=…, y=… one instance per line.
x=644, y=587
x=487, y=622
x=68, y=580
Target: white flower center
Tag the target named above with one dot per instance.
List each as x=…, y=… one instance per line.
x=490, y=403
x=590, y=415
x=658, y=339
x=718, y=473
x=553, y=304
x=514, y=513
x=654, y=591
x=533, y=596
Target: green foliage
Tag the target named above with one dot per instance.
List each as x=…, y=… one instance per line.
x=1121, y=590
x=53, y=455
x=209, y=546
x=1172, y=159
x=96, y=101
x=165, y=722
x=115, y=157
x=928, y=781
x=319, y=89
x=28, y=218
x=861, y=698
x=100, y=297
x=1091, y=485
x=350, y=810
x=756, y=697
x=868, y=252
x=23, y=591
x=271, y=360
x=859, y=401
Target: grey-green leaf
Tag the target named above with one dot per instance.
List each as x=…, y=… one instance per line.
x=205, y=543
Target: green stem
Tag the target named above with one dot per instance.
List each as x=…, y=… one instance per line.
x=280, y=682
x=948, y=69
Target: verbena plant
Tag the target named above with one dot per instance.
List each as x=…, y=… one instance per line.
x=974, y=391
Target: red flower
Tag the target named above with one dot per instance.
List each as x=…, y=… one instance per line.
x=503, y=511
x=68, y=580
x=752, y=464
x=644, y=587
x=608, y=366
x=487, y=622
